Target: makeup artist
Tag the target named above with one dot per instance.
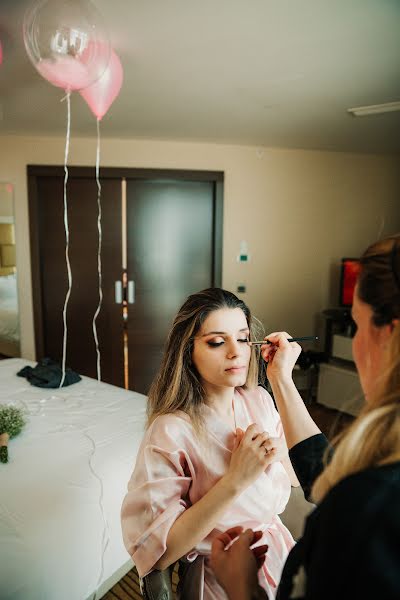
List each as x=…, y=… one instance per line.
x=350, y=548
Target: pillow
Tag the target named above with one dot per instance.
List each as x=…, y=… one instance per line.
x=7, y=255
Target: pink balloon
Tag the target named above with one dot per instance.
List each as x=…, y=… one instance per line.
x=65, y=72
x=102, y=93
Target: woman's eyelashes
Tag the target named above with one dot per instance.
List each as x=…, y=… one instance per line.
x=216, y=344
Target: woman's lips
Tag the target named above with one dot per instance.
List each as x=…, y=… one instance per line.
x=235, y=369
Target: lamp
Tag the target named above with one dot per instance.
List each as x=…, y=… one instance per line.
x=374, y=109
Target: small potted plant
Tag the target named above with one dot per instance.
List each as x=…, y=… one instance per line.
x=11, y=423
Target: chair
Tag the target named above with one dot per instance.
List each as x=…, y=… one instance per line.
x=157, y=585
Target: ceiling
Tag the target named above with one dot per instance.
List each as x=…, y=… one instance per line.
x=255, y=72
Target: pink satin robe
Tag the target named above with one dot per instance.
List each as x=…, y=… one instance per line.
x=174, y=470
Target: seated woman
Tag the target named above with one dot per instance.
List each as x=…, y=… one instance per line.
x=350, y=546
x=214, y=453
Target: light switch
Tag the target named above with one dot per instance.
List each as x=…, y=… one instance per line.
x=243, y=255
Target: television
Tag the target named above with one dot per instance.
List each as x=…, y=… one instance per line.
x=348, y=278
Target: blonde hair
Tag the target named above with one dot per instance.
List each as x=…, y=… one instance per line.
x=374, y=437
x=177, y=385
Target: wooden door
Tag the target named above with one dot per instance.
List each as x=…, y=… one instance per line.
x=173, y=238
x=49, y=271
x=174, y=248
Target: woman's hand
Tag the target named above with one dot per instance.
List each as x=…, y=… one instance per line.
x=235, y=564
x=249, y=457
x=280, y=355
x=276, y=448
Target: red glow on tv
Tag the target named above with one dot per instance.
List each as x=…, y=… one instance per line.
x=350, y=271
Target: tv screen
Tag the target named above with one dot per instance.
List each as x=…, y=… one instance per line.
x=348, y=280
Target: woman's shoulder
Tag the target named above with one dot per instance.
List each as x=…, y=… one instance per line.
x=385, y=479
x=350, y=540
x=175, y=425
x=368, y=494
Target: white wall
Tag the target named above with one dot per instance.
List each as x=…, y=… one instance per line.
x=299, y=211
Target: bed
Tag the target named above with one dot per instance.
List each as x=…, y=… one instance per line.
x=62, y=489
x=9, y=325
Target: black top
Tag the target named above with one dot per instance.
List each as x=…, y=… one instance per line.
x=350, y=549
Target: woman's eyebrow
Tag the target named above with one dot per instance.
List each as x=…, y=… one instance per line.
x=222, y=332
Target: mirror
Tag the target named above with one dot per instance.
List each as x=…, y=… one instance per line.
x=9, y=320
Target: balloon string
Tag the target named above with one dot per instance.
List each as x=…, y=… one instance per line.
x=96, y=314
x=68, y=98
x=105, y=537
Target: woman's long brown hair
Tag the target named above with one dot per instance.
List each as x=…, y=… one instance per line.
x=177, y=385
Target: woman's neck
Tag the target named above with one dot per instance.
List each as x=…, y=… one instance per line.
x=220, y=399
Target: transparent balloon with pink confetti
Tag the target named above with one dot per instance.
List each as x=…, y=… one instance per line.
x=67, y=42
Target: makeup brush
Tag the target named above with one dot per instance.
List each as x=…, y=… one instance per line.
x=307, y=338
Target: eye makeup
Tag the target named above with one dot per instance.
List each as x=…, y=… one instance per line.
x=216, y=344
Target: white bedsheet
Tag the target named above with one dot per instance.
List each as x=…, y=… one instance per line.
x=51, y=521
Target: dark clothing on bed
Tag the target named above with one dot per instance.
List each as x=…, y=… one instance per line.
x=48, y=374
x=350, y=549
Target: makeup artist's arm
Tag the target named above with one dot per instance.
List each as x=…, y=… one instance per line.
x=281, y=356
x=248, y=461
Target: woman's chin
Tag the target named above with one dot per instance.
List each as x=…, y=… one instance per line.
x=237, y=379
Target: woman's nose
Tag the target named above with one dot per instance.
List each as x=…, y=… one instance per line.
x=233, y=348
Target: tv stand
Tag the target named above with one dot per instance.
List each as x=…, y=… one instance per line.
x=338, y=323
x=341, y=347
x=339, y=388
x=338, y=382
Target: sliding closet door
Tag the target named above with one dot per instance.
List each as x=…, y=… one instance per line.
x=50, y=282
x=172, y=252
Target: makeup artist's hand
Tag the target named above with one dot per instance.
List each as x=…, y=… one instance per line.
x=236, y=565
x=249, y=457
x=280, y=355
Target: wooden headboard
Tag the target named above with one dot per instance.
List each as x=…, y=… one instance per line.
x=7, y=249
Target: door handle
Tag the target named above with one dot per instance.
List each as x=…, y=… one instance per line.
x=131, y=292
x=118, y=292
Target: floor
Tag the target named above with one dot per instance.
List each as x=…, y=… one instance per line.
x=330, y=421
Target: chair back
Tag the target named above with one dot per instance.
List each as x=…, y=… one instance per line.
x=157, y=585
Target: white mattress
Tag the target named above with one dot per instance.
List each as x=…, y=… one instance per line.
x=79, y=442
